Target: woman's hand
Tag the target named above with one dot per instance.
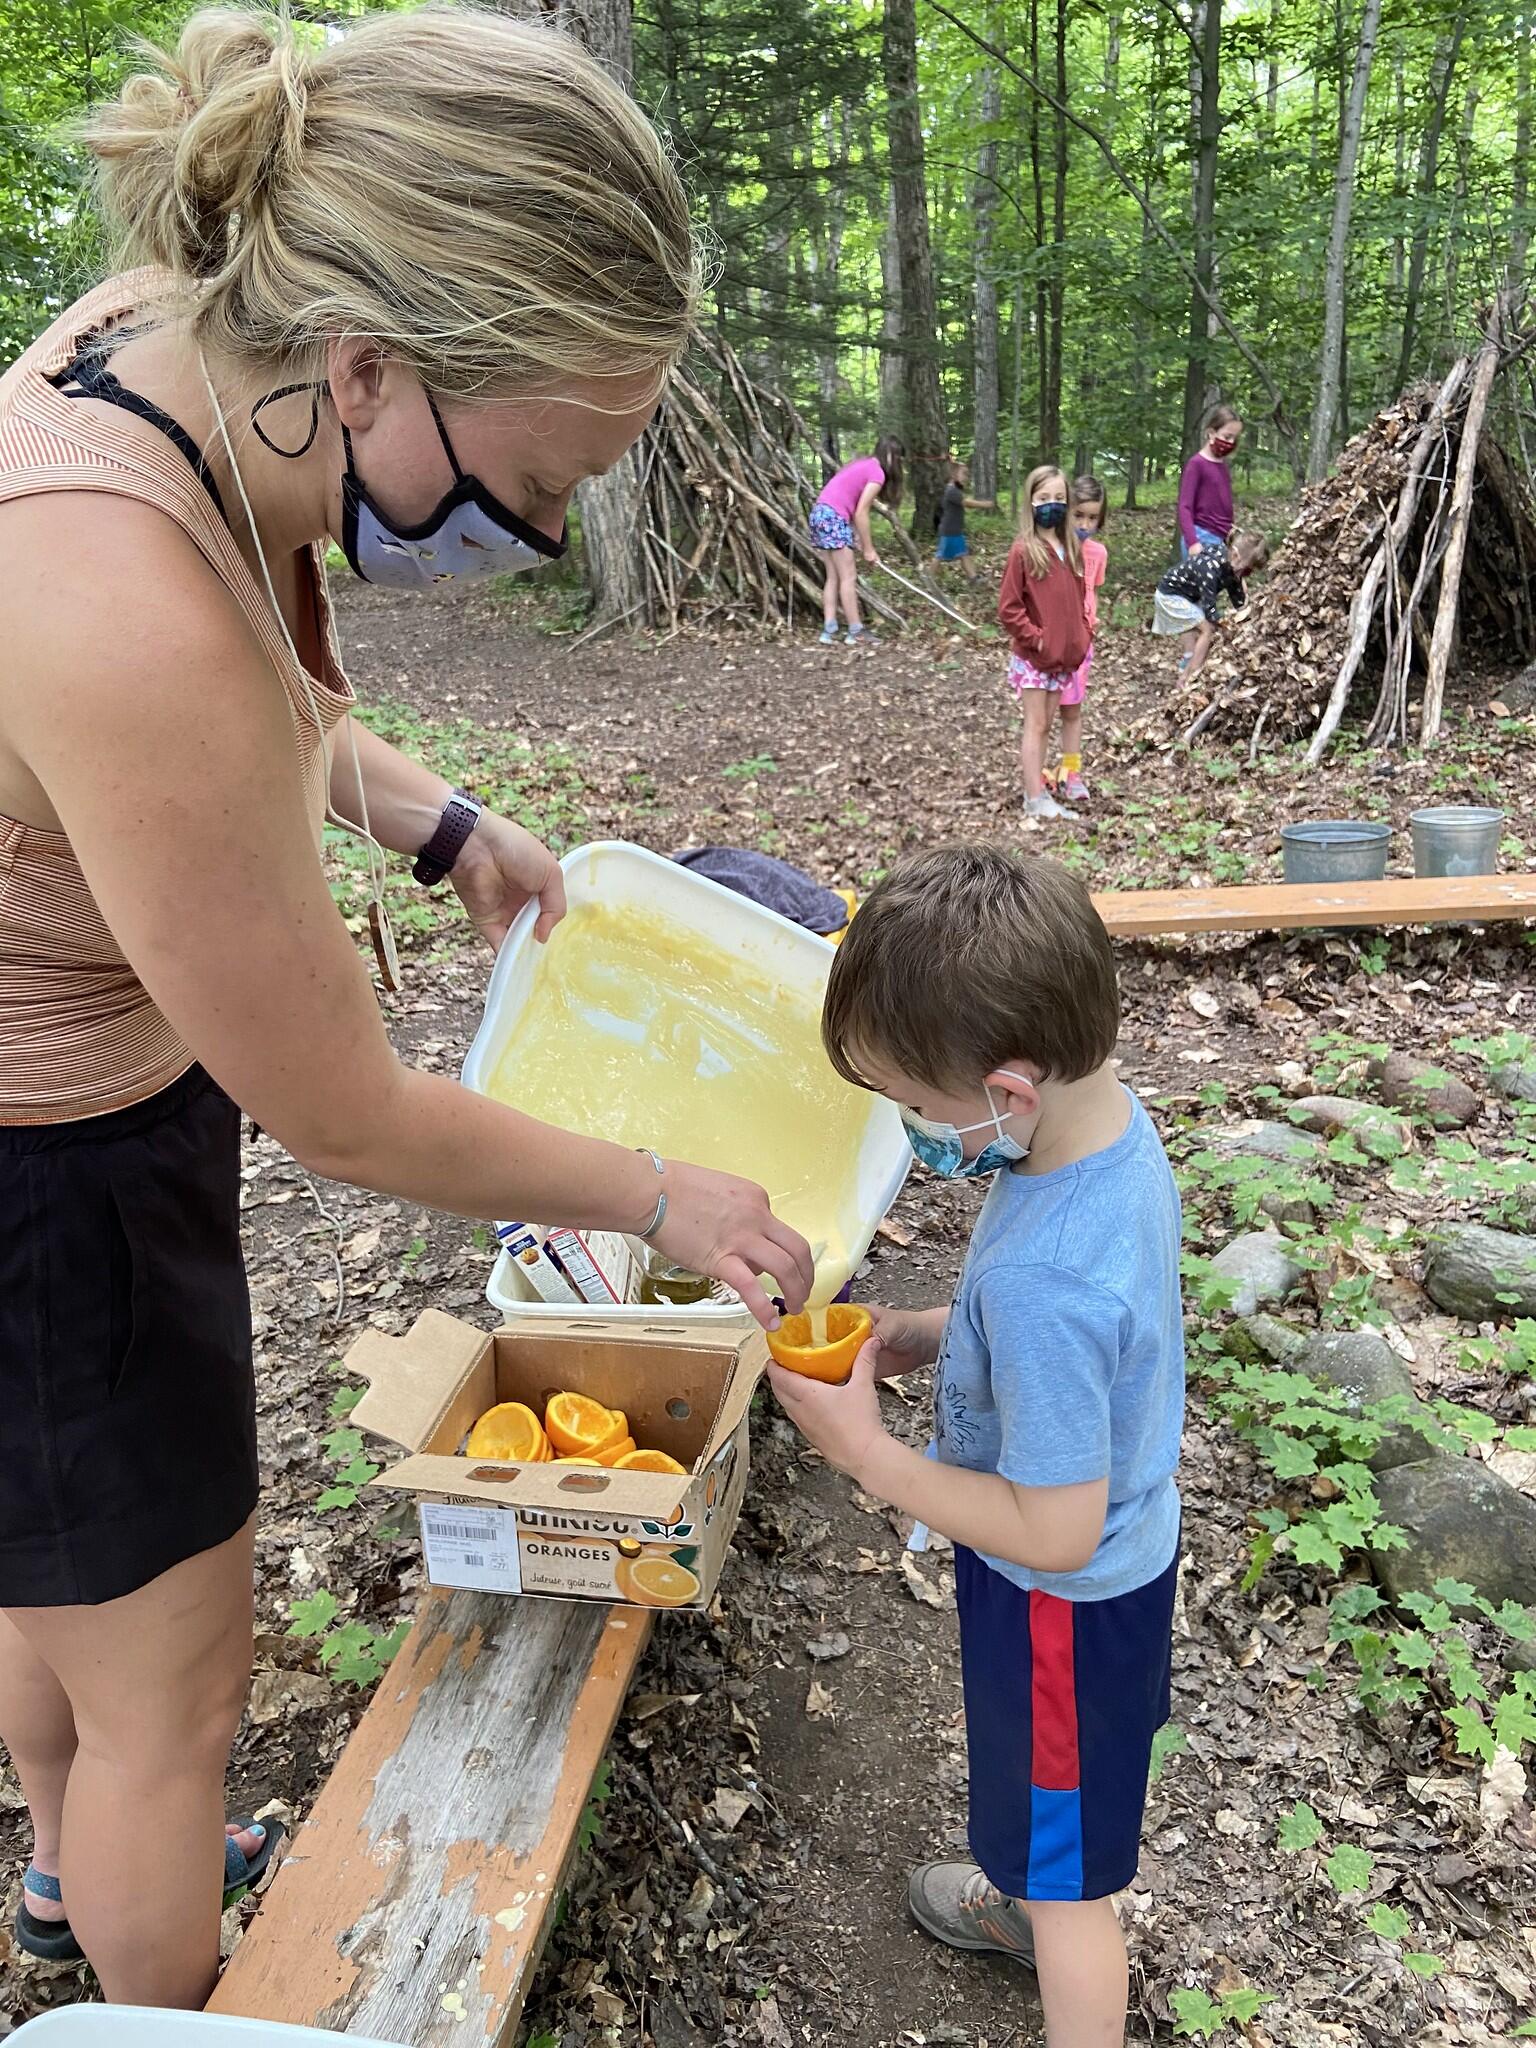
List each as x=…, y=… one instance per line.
x=842, y=1422
x=722, y=1226
x=501, y=868
x=1194, y=548
x=868, y=552
x=906, y=1339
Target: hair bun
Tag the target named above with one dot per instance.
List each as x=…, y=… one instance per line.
x=187, y=151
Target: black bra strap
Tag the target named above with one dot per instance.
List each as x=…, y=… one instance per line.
x=88, y=377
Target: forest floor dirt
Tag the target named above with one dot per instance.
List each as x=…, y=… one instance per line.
x=809, y=1728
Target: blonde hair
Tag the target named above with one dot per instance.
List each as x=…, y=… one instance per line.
x=1248, y=548
x=1039, y=554
x=471, y=193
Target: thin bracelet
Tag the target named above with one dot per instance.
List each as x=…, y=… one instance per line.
x=660, y=1217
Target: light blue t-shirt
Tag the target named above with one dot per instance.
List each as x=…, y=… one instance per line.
x=1063, y=1356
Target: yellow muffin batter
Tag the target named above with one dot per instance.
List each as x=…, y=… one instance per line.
x=641, y=1032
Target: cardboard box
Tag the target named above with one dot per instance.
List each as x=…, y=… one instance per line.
x=645, y=1539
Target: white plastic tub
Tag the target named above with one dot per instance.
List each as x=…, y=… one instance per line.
x=620, y=875
x=140, y=2026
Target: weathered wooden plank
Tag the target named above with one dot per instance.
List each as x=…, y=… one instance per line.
x=1278, y=906
x=414, y=1901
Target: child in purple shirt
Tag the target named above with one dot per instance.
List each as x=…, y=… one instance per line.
x=840, y=520
x=1205, y=488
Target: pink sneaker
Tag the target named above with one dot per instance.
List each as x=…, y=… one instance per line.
x=1074, y=789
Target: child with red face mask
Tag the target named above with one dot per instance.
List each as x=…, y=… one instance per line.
x=1205, y=487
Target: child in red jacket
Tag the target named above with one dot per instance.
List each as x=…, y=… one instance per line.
x=1043, y=608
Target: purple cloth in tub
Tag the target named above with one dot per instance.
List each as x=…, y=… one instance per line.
x=773, y=883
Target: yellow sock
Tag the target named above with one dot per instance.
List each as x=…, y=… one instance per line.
x=1071, y=764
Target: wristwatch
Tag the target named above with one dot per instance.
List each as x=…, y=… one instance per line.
x=460, y=816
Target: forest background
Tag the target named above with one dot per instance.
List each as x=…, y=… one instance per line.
x=1019, y=231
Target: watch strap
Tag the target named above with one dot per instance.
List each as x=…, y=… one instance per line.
x=460, y=816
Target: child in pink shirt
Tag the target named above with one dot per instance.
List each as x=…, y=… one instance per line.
x=840, y=523
x=1089, y=510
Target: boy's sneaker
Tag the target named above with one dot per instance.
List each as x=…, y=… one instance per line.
x=829, y=635
x=955, y=1904
x=861, y=636
x=1044, y=806
x=1073, y=788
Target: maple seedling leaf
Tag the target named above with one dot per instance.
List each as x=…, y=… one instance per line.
x=1300, y=1828
x=1349, y=1868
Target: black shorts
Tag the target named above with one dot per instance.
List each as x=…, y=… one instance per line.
x=127, y=1395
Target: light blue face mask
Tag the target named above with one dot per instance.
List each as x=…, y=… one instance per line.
x=941, y=1147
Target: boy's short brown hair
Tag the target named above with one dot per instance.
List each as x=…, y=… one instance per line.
x=965, y=958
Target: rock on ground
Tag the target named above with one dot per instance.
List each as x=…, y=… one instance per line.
x=1403, y=1083
x=1262, y=1265
x=1515, y=1083
x=1462, y=1522
x=1483, y=1275
x=1263, y=1139
x=1365, y=1370
x=1281, y=1209
x=1275, y=1339
x=1343, y=1113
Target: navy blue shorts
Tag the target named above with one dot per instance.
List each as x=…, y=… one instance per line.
x=1062, y=1699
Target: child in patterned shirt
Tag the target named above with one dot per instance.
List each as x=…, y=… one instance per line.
x=1187, y=593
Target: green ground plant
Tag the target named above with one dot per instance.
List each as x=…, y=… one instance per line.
x=540, y=787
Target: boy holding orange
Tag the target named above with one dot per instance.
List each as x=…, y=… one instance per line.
x=976, y=989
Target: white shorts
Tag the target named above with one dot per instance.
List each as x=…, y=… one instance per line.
x=1175, y=614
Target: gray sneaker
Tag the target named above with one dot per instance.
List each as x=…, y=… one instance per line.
x=955, y=1904
x=1044, y=806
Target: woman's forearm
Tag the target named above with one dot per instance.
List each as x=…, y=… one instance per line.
x=405, y=797
x=435, y=1142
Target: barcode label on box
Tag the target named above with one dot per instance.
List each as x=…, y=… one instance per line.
x=471, y=1547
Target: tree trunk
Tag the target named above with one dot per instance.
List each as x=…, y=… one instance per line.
x=922, y=423
x=1052, y=437
x=1042, y=290
x=1330, y=364
x=1456, y=225
x=984, y=206
x=1399, y=163
x=1520, y=176
x=609, y=506
x=1441, y=72
x=890, y=321
x=1015, y=450
x=837, y=130
x=1206, y=122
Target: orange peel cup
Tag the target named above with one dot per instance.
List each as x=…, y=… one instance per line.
x=793, y=1345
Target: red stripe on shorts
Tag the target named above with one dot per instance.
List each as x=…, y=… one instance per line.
x=1053, y=1695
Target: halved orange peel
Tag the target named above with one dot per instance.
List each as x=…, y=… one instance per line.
x=576, y=1430
x=823, y=1343
x=510, y=1430
x=578, y=1426
x=650, y=1461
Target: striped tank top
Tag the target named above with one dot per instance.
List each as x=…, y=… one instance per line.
x=78, y=1032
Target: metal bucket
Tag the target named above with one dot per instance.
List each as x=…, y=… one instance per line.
x=1456, y=839
x=1335, y=850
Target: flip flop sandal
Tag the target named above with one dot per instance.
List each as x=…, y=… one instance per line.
x=53, y=1941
